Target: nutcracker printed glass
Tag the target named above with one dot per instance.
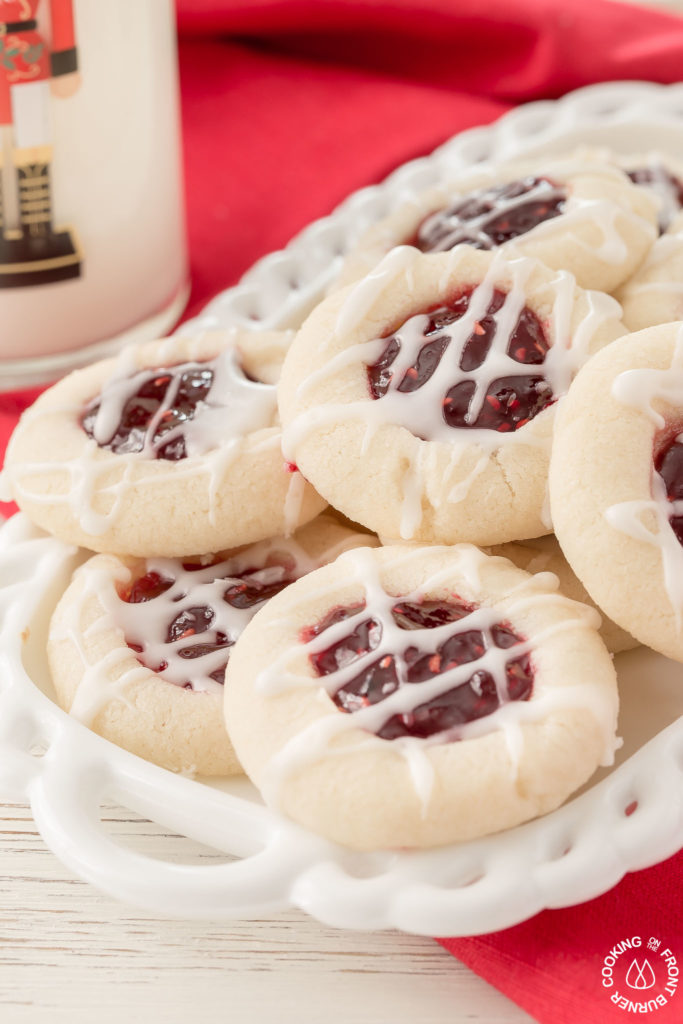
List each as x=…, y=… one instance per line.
x=92, y=242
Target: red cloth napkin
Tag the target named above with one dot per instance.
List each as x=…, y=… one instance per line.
x=552, y=964
x=288, y=105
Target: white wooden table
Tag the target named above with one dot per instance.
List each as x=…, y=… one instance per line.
x=69, y=954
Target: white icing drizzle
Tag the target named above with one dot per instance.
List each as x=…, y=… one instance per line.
x=234, y=408
x=461, y=489
x=97, y=687
x=667, y=287
x=641, y=389
x=364, y=294
x=626, y=516
x=319, y=738
x=421, y=411
x=546, y=515
x=578, y=212
x=234, y=405
x=454, y=229
x=601, y=213
x=100, y=681
x=146, y=623
x=293, y=501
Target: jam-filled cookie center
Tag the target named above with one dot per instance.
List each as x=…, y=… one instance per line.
x=491, y=216
x=176, y=412
x=669, y=464
x=492, y=682
x=197, y=613
x=465, y=355
x=152, y=410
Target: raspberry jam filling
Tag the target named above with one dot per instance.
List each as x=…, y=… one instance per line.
x=480, y=695
x=668, y=187
x=509, y=402
x=206, y=629
x=491, y=216
x=161, y=403
x=669, y=465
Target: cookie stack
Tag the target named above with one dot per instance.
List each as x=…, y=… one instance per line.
x=168, y=462
x=467, y=385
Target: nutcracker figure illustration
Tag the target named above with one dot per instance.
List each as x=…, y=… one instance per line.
x=37, y=60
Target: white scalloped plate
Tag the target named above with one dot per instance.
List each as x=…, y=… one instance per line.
x=628, y=818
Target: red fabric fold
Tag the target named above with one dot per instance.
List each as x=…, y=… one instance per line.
x=552, y=965
x=509, y=51
x=295, y=138
x=289, y=105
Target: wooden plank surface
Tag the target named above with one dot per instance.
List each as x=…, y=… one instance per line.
x=68, y=953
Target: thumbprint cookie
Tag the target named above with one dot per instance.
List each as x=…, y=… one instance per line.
x=420, y=401
x=654, y=294
x=577, y=215
x=173, y=448
x=616, y=484
x=138, y=647
x=411, y=697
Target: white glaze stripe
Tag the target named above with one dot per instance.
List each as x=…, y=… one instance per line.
x=95, y=487
x=318, y=739
x=420, y=411
x=641, y=389
x=146, y=623
x=578, y=213
x=473, y=230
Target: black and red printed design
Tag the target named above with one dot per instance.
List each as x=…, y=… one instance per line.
x=510, y=401
x=377, y=679
x=32, y=250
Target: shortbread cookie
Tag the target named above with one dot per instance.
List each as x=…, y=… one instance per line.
x=660, y=173
x=420, y=402
x=616, y=484
x=262, y=352
x=138, y=647
x=544, y=554
x=171, y=449
x=654, y=294
x=579, y=216
x=663, y=176
x=411, y=697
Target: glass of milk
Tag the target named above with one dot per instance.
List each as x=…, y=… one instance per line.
x=92, y=233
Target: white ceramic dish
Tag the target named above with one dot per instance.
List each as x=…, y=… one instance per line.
x=628, y=818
